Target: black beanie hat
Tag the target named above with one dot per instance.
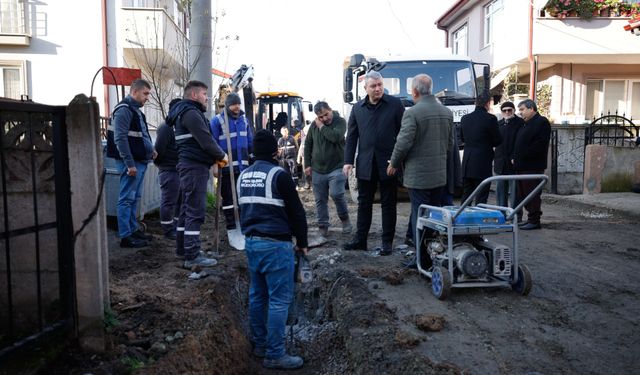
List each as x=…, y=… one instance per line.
x=264, y=144
x=507, y=104
x=232, y=99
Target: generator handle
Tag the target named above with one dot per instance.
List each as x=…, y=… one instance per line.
x=543, y=180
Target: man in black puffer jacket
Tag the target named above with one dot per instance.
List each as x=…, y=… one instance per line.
x=197, y=152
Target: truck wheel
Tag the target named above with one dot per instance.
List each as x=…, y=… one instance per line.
x=524, y=284
x=440, y=283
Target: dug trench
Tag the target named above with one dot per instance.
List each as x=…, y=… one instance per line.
x=159, y=321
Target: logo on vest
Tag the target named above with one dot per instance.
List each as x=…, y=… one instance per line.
x=253, y=179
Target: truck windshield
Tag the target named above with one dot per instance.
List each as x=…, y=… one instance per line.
x=453, y=81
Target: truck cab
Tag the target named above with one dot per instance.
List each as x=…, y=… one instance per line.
x=457, y=80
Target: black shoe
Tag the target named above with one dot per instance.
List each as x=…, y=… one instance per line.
x=138, y=234
x=386, y=249
x=355, y=245
x=172, y=234
x=531, y=226
x=133, y=242
x=409, y=242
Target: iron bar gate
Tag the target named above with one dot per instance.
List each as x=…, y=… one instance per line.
x=37, y=272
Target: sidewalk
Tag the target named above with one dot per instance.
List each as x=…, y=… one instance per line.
x=627, y=204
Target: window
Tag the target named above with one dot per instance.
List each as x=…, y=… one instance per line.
x=11, y=81
x=492, y=16
x=12, y=17
x=460, y=41
x=611, y=96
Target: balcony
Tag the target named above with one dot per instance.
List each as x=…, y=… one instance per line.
x=151, y=31
x=598, y=40
x=13, y=23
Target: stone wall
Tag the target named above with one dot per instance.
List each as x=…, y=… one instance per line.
x=570, y=158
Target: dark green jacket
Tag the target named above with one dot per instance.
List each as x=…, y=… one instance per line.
x=324, y=148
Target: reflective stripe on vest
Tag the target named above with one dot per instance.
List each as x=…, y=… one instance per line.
x=232, y=135
x=130, y=133
x=184, y=136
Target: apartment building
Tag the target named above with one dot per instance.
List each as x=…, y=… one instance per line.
x=51, y=51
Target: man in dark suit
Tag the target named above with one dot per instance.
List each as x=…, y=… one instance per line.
x=509, y=126
x=480, y=133
x=373, y=126
x=530, y=157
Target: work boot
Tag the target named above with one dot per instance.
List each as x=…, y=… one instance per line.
x=286, y=362
x=386, y=249
x=141, y=235
x=133, y=242
x=346, y=226
x=324, y=231
x=531, y=226
x=201, y=261
x=409, y=242
x=355, y=244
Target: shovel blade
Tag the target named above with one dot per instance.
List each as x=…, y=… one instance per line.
x=236, y=239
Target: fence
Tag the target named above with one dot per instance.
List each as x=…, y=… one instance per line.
x=37, y=282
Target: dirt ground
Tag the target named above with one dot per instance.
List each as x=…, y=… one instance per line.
x=365, y=314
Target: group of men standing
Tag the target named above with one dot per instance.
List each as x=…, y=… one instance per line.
x=420, y=144
x=383, y=139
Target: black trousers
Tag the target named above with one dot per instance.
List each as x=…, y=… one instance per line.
x=534, y=206
x=469, y=185
x=227, y=199
x=388, y=198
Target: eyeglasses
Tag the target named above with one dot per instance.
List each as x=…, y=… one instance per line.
x=507, y=110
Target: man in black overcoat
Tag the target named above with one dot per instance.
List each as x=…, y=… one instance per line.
x=480, y=134
x=373, y=126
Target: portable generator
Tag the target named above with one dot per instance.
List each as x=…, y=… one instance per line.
x=454, y=252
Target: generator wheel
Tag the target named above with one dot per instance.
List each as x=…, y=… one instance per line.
x=524, y=284
x=440, y=282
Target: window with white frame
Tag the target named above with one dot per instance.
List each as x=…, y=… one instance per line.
x=12, y=83
x=460, y=38
x=612, y=96
x=492, y=16
x=12, y=17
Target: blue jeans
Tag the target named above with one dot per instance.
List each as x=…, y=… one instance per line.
x=506, y=193
x=270, y=293
x=130, y=193
x=325, y=185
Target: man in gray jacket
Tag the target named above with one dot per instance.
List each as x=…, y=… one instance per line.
x=422, y=145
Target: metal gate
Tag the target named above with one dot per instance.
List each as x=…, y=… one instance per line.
x=611, y=130
x=37, y=273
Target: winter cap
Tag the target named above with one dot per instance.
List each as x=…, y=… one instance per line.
x=507, y=104
x=232, y=99
x=264, y=144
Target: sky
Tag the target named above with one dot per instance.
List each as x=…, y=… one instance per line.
x=300, y=45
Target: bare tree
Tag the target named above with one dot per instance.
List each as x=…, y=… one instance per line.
x=160, y=49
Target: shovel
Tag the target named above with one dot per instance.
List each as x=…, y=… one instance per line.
x=235, y=236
